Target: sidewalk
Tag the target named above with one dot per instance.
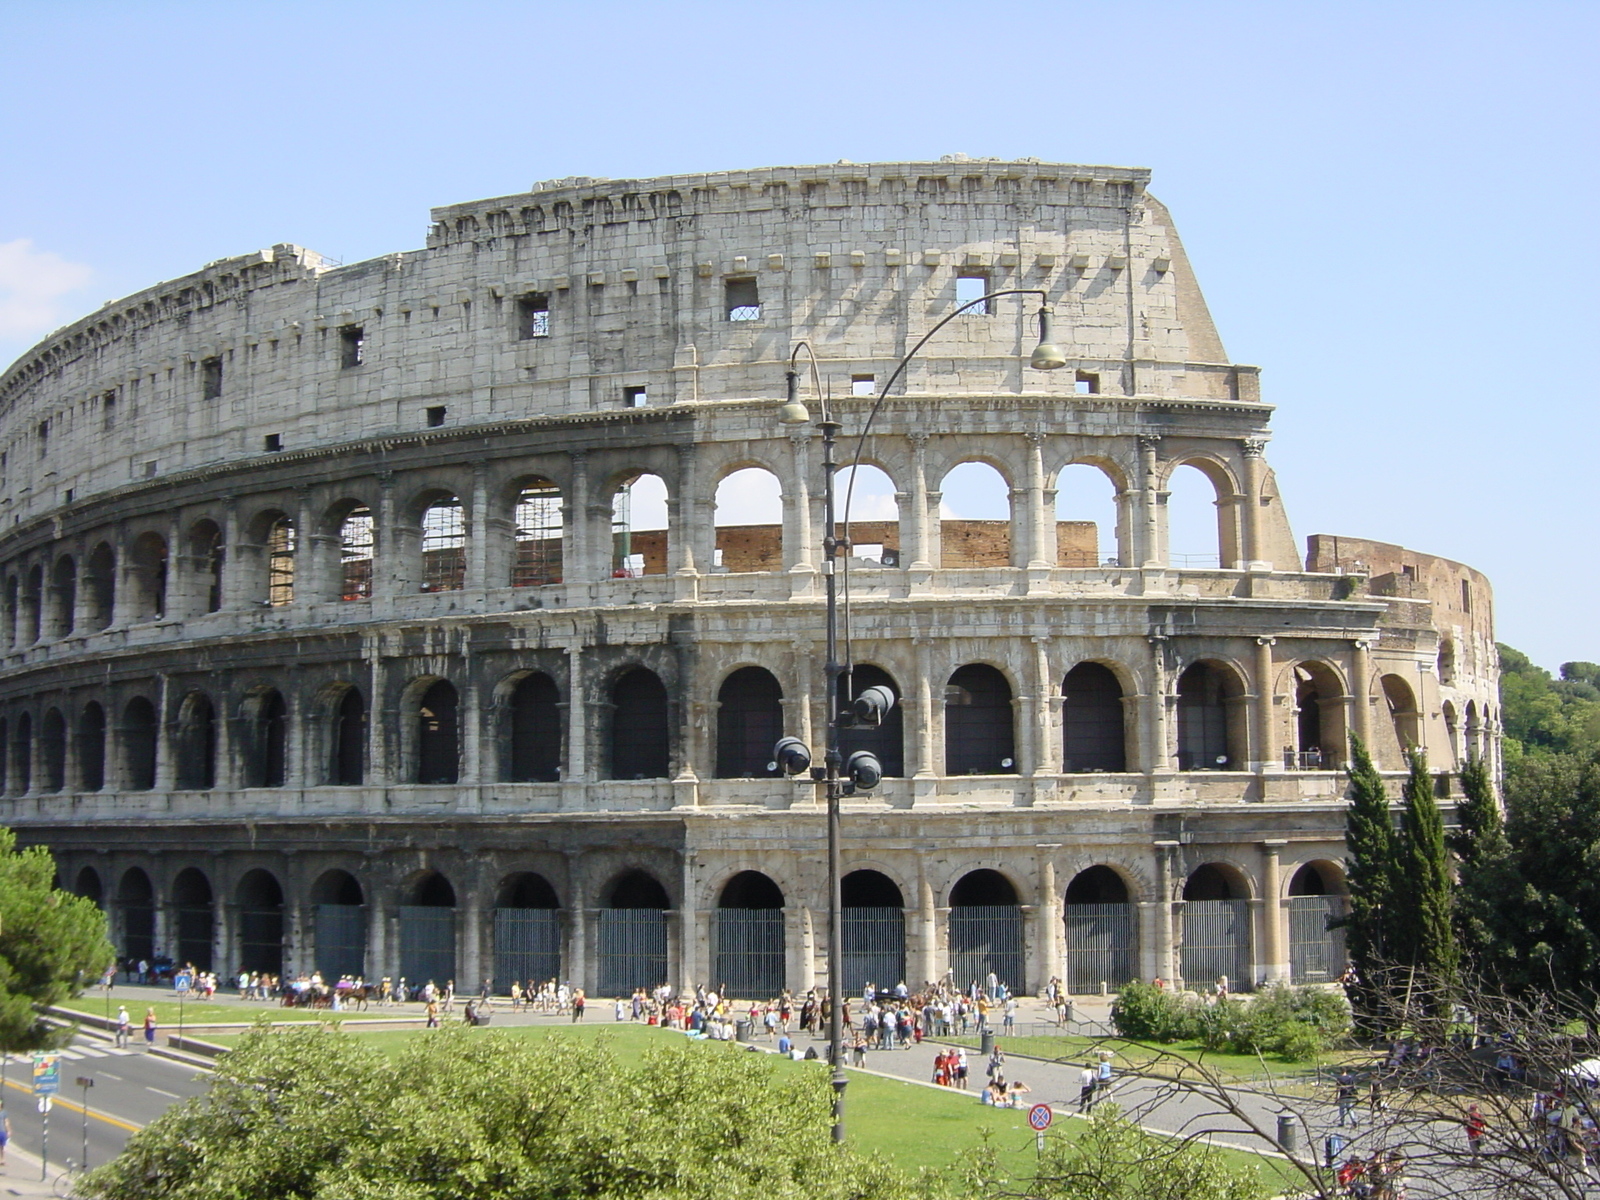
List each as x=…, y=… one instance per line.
x=20, y=1175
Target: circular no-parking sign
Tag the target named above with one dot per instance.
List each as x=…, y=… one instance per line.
x=1039, y=1117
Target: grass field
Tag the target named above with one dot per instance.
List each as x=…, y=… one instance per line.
x=1072, y=1048
x=913, y=1126
x=198, y=1012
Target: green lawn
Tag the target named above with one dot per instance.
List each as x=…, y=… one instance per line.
x=1073, y=1048
x=201, y=1013
x=913, y=1126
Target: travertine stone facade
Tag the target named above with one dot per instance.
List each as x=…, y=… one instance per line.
x=327, y=639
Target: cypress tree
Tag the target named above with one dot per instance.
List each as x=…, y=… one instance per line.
x=1422, y=935
x=1369, y=874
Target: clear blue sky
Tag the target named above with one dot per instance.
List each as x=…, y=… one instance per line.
x=1390, y=206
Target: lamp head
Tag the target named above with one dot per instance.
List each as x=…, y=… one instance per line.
x=793, y=411
x=1046, y=356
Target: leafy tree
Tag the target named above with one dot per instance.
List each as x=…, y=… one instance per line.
x=1114, y=1159
x=1422, y=936
x=1369, y=872
x=1542, y=715
x=51, y=943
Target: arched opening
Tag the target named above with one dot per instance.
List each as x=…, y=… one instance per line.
x=341, y=925
x=640, y=745
x=749, y=522
x=986, y=931
x=1452, y=732
x=978, y=734
x=527, y=931
x=260, y=901
x=866, y=497
x=1210, y=719
x=100, y=580
x=428, y=931
x=347, y=759
x=1316, y=899
x=1446, y=661
x=22, y=753
x=1092, y=734
x=280, y=562
x=887, y=741
x=206, y=556
x=88, y=886
x=639, y=538
x=1199, y=524
x=1089, y=529
x=139, y=730
x=975, y=517
x=749, y=724
x=1403, y=714
x=438, y=741
x=444, y=546
x=357, y=543
x=191, y=901
x=539, y=522
x=92, y=747
x=632, y=951
x=32, y=605
x=1216, y=927
x=749, y=932
x=63, y=596
x=197, y=743
x=1474, y=732
x=533, y=728
x=873, y=916
x=11, y=615
x=1319, y=722
x=136, y=901
x=268, y=724
x=149, y=577
x=1102, y=932
x=53, y=750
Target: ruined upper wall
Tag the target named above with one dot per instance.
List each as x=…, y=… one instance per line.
x=858, y=259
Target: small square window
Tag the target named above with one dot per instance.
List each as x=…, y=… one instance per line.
x=863, y=385
x=635, y=397
x=743, y=300
x=352, y=346
x=972, y=286
x=533, y=316
x=272, y=442
x=210, y=379
x=436, y=415
x=1086, y=384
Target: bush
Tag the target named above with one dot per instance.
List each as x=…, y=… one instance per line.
x=1294, y=1023
x=1146, y=1013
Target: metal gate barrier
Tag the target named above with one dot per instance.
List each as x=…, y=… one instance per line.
x=341, y=941
x=194, y=936
x=987, y=938
x=138, y=931
x=1216, y=941
x=527, y=946
x=750, y=961
x=1102, y=947
x=261, y=940
x=427, y=944
x=1316, y=953
x=873, y=949
x=631, y=950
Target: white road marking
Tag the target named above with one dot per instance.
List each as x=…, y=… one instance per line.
x=159, y=1092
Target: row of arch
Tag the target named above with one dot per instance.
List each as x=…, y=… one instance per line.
x=985, y=933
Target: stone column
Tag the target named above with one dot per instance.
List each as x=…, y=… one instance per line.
x=1264, y=752
x=1052, y=933
x=1250, y=526
x=694, y=944
x=800, y=550
x=308, y=585
x=297, y=717
x=166, y=731
x=576, y=566
x=386, y=540
x=577, y=719
x=921, y=726
x=1152, y=552
x=915, y=551
x=469, y=939
x=927, y=970
x=800, y=939
x=1044, y=744
x=1168, y=961
x=222, y=938
x=1041, y=530
x=477, y=524
x=1274, y=942
x=683, y=519
x=471, y=718
x=1157, y=755
x=1361, y=695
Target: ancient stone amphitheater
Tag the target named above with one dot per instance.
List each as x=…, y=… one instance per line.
x=435, y=615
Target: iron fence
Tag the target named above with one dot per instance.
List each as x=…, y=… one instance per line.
x=1216, y=942
x=986, y=940
x=341, y=946
x=631, y=951
x=527, y=946
x=1102, y=947
x=1316, y=953
x=261, y=940
x=427, y=944
x=750, y=958
x=873, y=948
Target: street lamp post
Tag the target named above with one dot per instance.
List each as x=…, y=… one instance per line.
x=863, y=770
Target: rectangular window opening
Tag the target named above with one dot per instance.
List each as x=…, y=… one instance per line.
x=1087, y=384
x=352, y=346
x=211, y=379
x=108, y=411
x=1466, y=595
x=44, y=437
x=635, y=397
x=436, y=416
x=272, y=442
x=973, y=285
x=743, y=300
x=533, y=316
x=863, y=385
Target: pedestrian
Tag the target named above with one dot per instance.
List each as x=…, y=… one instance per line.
x=1476, y=1127
x=1009, y=1022
x=961, y=1068
x=1087, y=1078
x=149, y=1028
x=1345, y=1096
x=577, y=1005
x=1375, y=1098
x=5, y=1132
x=433, y=1013
x=124, y=1025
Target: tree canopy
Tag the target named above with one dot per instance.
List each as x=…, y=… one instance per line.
x=51, y=943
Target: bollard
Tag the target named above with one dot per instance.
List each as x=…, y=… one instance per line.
x=1287, y=1135
x=741, y=1030
x=986, y=1046
x=1068, y=1016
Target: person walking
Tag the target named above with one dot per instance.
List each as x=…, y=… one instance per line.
x=124, y=1026
x=578, y=1002
x=1345, y=1097
x=1087, y=1079
x=149, y=1028
x=1476, y=1128
x=5, y=1132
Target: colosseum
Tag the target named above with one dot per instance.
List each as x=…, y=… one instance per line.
x=435, y=616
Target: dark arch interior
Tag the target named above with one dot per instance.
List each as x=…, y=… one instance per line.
x=1091, y=724
x=1309, y=881
x=191, y=888
x=258, y=889
x=438, y=760
x=1210, y=883
x=350, y=739
x=983, y=888
x=139, y=725
x=535, y=752
x=337, y=887
x=271, y=730
x=433, y=890
x=639, y=744
x=1098, y=885
x=89, y=887
x=978, y=734
x=527, y=890
x=135, y=887
x=869, y=889
x=749, y=723
x=887, y=741
x=1203, y=691
x=92, y=748
x=751, y=889
x=636, y=889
